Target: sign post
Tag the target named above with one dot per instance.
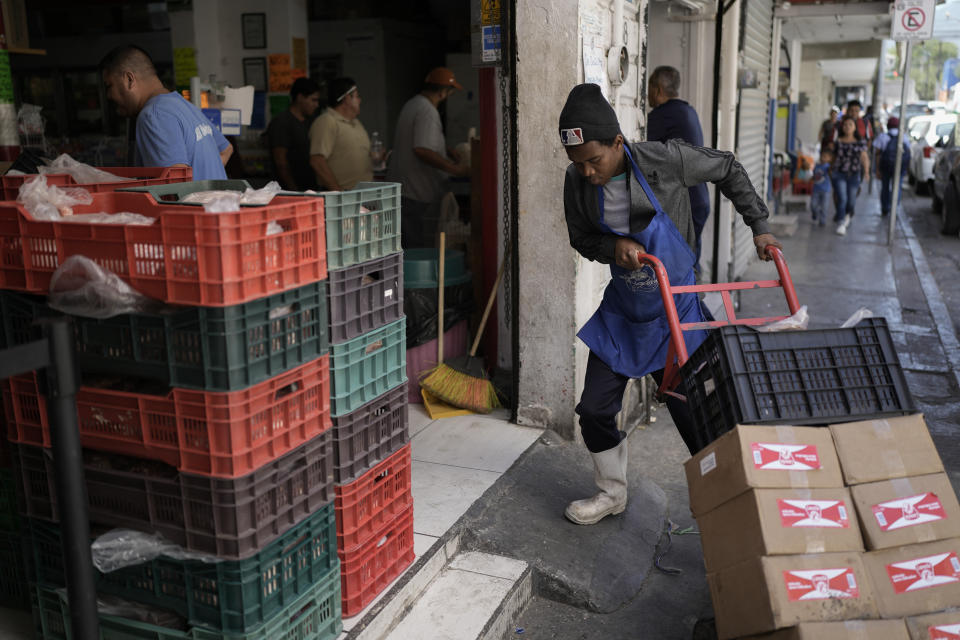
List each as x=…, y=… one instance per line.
x=912, y=21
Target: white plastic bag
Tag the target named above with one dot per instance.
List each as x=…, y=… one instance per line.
x=82, y=173
x=82, y=287
x=797, y=321
x=119, y=548
x=223, y=202
x=121, y=217
x=49, y=202
x=260, y=197
x=860, y=314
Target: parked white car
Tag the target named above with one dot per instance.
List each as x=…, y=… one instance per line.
x=927, y=134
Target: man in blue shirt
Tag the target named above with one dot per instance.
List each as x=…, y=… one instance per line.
x=170, y=131
x=673, y=118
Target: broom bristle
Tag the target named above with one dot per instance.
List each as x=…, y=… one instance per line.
x=461, y=390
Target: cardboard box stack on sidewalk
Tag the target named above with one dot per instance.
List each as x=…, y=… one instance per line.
x=804, y=525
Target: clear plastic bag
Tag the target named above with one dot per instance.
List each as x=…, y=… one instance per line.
x=49, y=202
x=797, y=321
x=116, y=606
x=860, y=314
x=82, y=287
x=82, y=173
x=223, y=202
x=260, y=197
x=119, y=548
x=121, y=217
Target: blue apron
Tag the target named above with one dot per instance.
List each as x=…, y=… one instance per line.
x=629, y=331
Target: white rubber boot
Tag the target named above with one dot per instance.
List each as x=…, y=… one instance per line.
x=611, y=478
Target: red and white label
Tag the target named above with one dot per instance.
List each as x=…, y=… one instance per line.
x=821, y=584
x=945, y=632
x=829, y=514
x=908, y=512
x=923, y=573
x=785, y=457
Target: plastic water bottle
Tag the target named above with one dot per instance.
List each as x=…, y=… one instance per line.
x=377, y=152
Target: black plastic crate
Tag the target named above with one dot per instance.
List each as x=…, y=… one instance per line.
x=743, y=376
x=231, y=518
x=370, y=434
x=365, y=296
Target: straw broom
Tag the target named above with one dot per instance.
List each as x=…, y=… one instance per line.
x=462, y=382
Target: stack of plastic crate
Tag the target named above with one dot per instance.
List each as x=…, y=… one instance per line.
x=374, y=505
x=207, y=423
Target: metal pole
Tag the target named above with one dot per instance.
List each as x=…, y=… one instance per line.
x=894, y=203
x=72, y=503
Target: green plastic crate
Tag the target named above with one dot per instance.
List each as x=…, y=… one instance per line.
x=355, y=235
x=14, y=588
x=175, y=192
x=230, y=595
x=367, y=366
x=313, y=616
x=9, y=514
x=206, y=348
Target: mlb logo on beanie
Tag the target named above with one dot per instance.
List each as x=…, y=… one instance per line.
x=571, y=137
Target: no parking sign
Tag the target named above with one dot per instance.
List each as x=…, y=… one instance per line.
x=912, y=20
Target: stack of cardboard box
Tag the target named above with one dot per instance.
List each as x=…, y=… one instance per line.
x=815, y=533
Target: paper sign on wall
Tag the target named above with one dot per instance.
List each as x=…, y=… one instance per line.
x=184, y=65
x=299, y=48
x=280, y=77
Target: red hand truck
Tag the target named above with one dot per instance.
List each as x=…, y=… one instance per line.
x=677, y=348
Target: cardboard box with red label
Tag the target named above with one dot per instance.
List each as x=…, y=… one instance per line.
x=916, y=579
x=846, y=630
x=882, y=449
x=764, y=522
x=937, y=626
x=904, y=511
x=772, y=592
x=756, y=457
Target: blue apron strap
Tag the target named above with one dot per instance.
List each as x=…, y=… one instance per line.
x=643, y=182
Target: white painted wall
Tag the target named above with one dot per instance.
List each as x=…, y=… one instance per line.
x=559, y=290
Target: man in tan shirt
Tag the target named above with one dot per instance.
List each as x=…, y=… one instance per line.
x=339, y=144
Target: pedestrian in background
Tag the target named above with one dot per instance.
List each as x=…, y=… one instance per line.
x=170, y=131
x=288, y=138
x=886, y=161
x=420, y=160
x=339, y=144
x=826, y=129
x=821, y=188
x=851, y=166
x=673, y=118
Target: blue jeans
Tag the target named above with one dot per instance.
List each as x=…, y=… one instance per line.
x=886, y=192
x=818, y=205
x=845, y=185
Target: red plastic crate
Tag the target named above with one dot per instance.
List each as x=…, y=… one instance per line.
x=187, y=256
x=141, y=177
x=367, y=570
x=220, y=434
x=374, y=499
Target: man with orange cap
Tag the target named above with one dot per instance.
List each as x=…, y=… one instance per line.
x=420, y=160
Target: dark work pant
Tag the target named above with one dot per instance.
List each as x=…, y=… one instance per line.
x=886, y=193
x=419, y=222
x=601, y=400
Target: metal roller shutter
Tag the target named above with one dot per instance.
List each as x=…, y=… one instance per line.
x=753, y=118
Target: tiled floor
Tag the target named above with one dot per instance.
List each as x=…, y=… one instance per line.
x=454, y=461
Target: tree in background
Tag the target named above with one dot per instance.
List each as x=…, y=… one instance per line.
x=926, y=65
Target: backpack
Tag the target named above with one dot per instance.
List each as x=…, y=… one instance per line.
x=888, y=157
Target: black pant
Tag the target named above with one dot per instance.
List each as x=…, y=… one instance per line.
x=601, y=400
x=419, y=223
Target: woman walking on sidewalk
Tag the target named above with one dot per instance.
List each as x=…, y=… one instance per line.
x=850, y=166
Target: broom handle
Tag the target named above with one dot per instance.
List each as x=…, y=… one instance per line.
x=486, y=312
x=443, y=255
